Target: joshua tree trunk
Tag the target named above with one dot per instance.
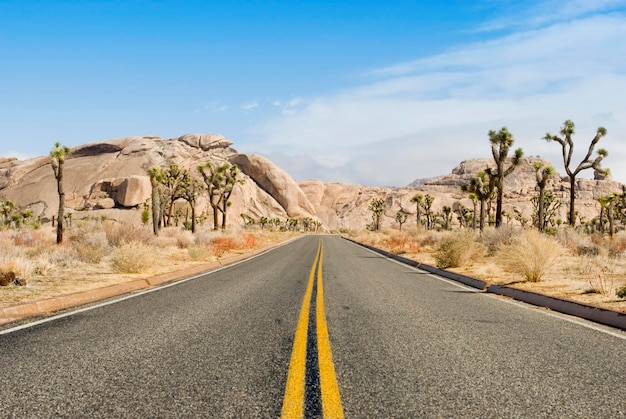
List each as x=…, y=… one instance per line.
x=60, y=212
x=540, y=209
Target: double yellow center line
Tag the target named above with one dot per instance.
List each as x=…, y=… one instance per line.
x=294, y=400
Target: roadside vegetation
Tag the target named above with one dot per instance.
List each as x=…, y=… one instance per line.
x=576, y=258
x=101, y=252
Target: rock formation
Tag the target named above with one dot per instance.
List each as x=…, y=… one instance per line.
x=109, y=178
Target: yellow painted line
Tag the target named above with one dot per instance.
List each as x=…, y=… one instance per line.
x=293, y=402
x=331, y=399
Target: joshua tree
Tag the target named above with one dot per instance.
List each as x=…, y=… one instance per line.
x=230, y=174
x=220, y=182
x=427, y=205
x=543, y=173
x=417, y=199
x=474, y=198
x=377, y=206
x=567, y=146
x=447, y=216
x=501, y=142
x=607, y=205
x=7, y=208
x=59, y=154
x=482, y=186
x=171, y=181
x=213, y=178
x=190, y=189
x=156, y=175
x=401, y=217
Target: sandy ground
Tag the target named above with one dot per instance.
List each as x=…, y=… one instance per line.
x=83, y=277
x=570, y=278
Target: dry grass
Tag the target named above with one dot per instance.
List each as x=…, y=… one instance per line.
x=98, y=253
x=133, y=258
x=529, y=254
x=458, y=249
x=584, y=263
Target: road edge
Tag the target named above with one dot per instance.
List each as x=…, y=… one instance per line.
x=595, y=314
x=49, y=306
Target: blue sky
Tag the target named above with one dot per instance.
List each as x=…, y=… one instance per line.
x=371, y=92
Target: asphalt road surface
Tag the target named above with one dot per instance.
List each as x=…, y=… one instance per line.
x=404, y=344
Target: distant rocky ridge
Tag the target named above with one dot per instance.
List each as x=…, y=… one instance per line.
x=109, y=178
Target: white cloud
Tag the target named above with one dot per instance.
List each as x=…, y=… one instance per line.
x=249, y=106
x=421, y=118
x=547, y=12
x=213, y=106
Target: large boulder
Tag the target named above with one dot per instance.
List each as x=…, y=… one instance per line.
x=133, y=190
x=205, y=141
x=276, y=182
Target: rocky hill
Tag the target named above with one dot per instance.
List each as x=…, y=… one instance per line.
x=109, y=178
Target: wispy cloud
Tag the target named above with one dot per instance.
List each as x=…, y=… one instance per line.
x=422, y=117
x=249, y=106
x=215, y=106
x=547, y=12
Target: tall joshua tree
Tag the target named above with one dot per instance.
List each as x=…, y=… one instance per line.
x=543, y=173
x=417, y=199
x=567, y=146
x=156, y=176
x=482, y=186
x=58, y=154
x=231, y=178
x=377, y=206
x=501, y=143
x=191, y=188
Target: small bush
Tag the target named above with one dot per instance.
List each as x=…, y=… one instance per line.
x=530, y=255
x=20, y=266
x=133, y=257
x=221, y=245
x=621, y=292
x=118, y=233
x=199, y=252
x=90, y=246
x=249, y=241
x=494, y=238
x=457, y=250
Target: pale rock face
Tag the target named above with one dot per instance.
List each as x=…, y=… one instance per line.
x=133, y=191
x=276, y=182
x=109, y=178
x=205, y=141
x=105, y=203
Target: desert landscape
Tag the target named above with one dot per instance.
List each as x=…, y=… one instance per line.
x=109, y=236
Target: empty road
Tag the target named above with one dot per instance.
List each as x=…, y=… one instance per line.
x=316, y=327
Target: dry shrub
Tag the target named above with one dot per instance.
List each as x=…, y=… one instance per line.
x=118, y=233
x=617, y=245
x=43, y=264
x=25, y=237
x=249, y=241
x=494, y=238
x=179, y=237
x=428, y=238
x=133, y=257
x=531, y=254
x=199, y=252
x=458, y=249
x=221, y=245
x=204, y=237
x=397, y=242
x=21, y=266
x=599, y=272
x=90, y=243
